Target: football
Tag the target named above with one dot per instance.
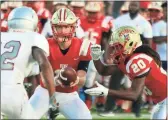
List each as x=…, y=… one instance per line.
x=68, y=75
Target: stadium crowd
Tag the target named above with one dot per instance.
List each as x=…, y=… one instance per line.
x=94, y=24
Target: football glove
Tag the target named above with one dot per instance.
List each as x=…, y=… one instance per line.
x=53, y=102
x=96, y=52
x=100, y=90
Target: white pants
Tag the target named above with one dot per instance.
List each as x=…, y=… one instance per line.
x=159, y=111
x=70, y=105
x=14, y=102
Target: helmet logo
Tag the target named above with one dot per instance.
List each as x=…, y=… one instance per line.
x=126, y=31
x=126, y=36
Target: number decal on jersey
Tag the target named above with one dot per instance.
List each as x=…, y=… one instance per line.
x=5, y=64
x=147, y=91
x=90, y=35
x=138, y=66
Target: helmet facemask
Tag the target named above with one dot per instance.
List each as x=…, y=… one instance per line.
x=63, y=33
x=115, y=52
x=63, y=23
x=92, y=16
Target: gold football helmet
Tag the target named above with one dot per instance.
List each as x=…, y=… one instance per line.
x=123, y=42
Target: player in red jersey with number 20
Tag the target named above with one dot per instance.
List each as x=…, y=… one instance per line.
x=139, y=62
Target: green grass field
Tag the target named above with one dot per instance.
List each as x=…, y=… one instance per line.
x=117, y=116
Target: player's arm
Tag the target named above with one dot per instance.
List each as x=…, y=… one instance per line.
x=160, y=39
x=81, y=72
x=131, y=94
x=45, y=67
x=101, y=62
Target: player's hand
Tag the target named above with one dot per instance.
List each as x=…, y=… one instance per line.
x=96, y=52
x=100, y=90
x=53, y=102
x=72, y=84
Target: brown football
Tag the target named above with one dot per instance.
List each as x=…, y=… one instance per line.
x=70, y=74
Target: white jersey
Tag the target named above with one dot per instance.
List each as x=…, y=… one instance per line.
x=160, y=29
x=139, y=22
x=16, y=55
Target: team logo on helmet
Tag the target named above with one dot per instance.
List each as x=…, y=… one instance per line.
x=127, y=37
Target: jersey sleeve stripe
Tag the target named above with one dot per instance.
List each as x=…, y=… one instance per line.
x=84, y=47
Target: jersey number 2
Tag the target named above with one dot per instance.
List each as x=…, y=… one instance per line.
x=5, y=65
x=138, y=66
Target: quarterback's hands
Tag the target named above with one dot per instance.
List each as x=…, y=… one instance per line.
x=96, y=52
x=53, y=102
x=72, y=84
x=100, y=90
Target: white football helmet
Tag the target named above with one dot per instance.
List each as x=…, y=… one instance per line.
x=63, y=17
x=23, y=18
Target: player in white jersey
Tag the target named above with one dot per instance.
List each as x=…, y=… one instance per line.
x=21, y=48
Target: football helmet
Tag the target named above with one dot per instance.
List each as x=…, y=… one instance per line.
x=123, y=42
x=78, y=8
x=63, y=23
x=93, y=9
x=22, y=18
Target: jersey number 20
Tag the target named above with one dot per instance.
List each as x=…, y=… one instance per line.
x=138, y=66
x=9, y=55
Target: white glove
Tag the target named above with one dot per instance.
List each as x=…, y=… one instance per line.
x=98, y=91
x=53, y=102
x=96, y=52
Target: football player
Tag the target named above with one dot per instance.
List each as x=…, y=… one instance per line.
x=20, y=50
x=96, y=27
x=78, y=8
x=65, y=50
x=139, y=62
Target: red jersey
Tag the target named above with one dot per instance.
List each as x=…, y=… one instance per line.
x=42, y=14
x=78, y=51
x=4, y=26
x=140, y=64
x=93, y=31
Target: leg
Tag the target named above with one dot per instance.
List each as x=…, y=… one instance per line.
x=159, y=110
x=73, y=107
x=115, y=83
x=40, y=101
x=90, y=78
x=15, y=102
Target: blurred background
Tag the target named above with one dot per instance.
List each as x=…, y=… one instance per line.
x=148, y=17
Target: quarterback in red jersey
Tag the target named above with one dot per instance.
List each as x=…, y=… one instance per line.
x=139, y=62
x=65, y=50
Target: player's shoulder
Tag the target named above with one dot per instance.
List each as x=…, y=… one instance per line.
x=138, y=56
x=84, y=48
x=83, y=21
x=138, y=63
x=50, y=40
x=37, y=35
